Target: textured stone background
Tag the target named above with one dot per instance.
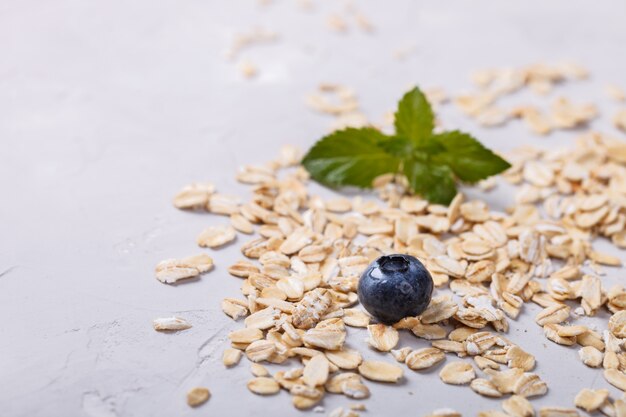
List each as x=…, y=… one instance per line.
x=108, y=107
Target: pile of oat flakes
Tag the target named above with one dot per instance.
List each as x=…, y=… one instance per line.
x=300, y=271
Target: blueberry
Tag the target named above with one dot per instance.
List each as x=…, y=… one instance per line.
x=395, y=286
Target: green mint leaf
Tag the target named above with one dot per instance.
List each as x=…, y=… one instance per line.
x=468, y=158
x=414, y=118
x=405, y=148
x=399, y=147
x=429, y=147
x=430, y=180
x=350, y=157
x=431, y=162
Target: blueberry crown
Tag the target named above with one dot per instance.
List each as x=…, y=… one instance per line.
x=393, y=263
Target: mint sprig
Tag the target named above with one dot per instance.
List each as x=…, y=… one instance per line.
x=431, y=162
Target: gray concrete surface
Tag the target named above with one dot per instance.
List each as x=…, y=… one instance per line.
x=108, y=107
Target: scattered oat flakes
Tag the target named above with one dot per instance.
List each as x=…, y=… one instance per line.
x=529, y=385
x=170, y=324
x=194, y=196
x=231, y=357
x=617, y=324
x=382, y=338
x=363, y=22
x=457, y=373
x=171, y=270
x=424, y=358
x=342, y=412
x=331, y=339
x=616, y=378
x=558, y=412
x=316, y=371
x=336, y=23
x=517, y=358
x=492, y=116
x=344, y=359
x=197, y=396
x=355, y=317
x=485, y=387
x=444, y=412
x=263, y=386
x=619, y=120
x=310, y=309
x=401, y=53
x=248, y=69
x=381, y=371
x=258, y=370
x=590, y=356
x=566, y=114
x=253, y=37
x=260, y=350
x=484, y=363
x=216, y=236
x=518, y=406
x=241, y=224
x=505, y=381
x=615, y=92
x=591, y=400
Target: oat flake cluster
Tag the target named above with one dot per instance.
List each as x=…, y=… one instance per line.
x=299, y=276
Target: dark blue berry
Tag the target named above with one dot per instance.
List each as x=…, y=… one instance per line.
x=395, y=286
